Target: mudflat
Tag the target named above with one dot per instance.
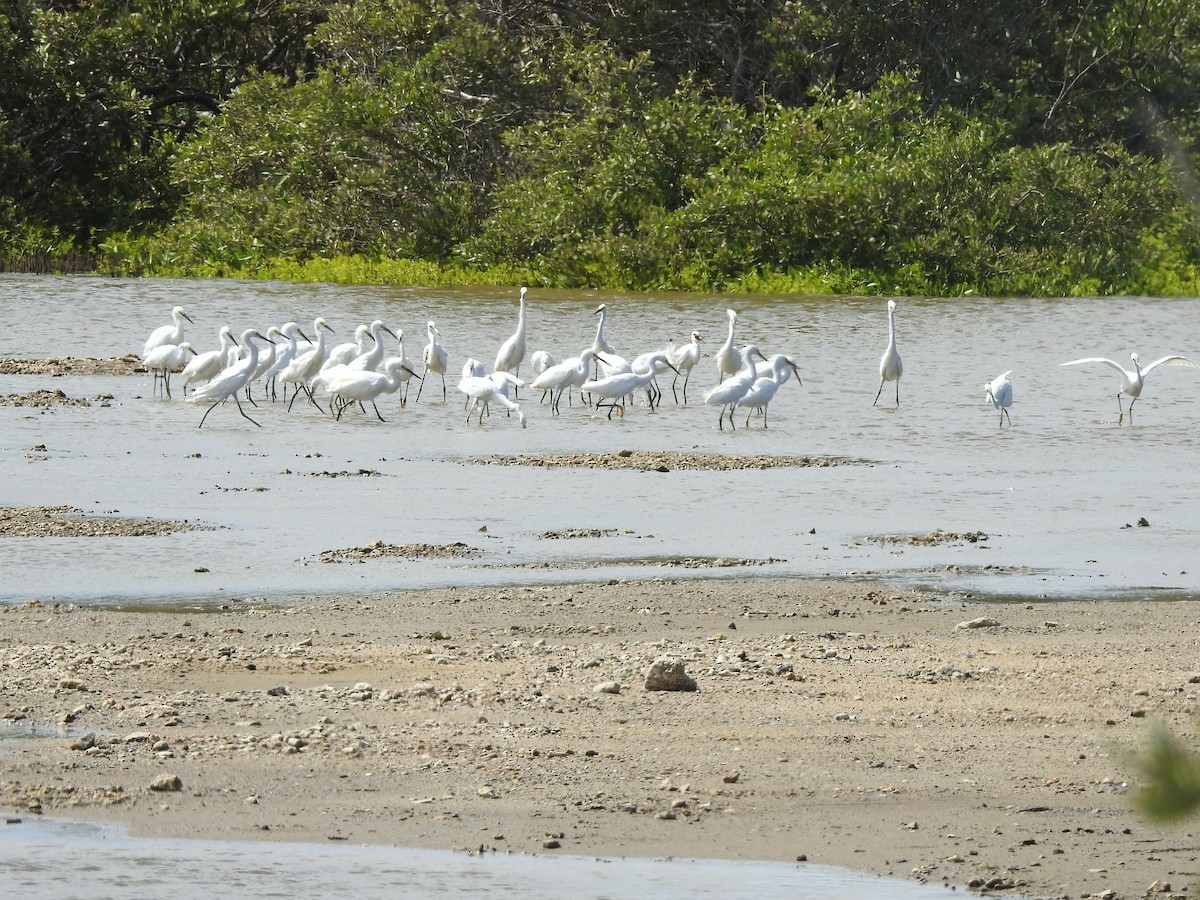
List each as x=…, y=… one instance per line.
x=981, y=745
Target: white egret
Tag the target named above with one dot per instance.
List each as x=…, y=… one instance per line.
x=488, y=389
x=408, y=370
x=729, y=357
x=617, y=387
x=767, y=368
x=305, y=365
x=655, y=361
x=764, y=388
x=266, y=359
x=734, y=388
x=167, y=334
x=230, y=382
x=351, y=385
x=284, y=355
x=540, y=361
x=512, y=351
x=472, y=368
x=891, y=366
x=371, y=360
x=684, y=359
x=1133, y=381
x=204, y=366
x=600, y=344
x=570, y=373
x=344, y=353
x=999, y=392
x=165, y=359
x=435, y=359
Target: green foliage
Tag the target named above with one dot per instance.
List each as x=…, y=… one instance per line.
x=1170, y=788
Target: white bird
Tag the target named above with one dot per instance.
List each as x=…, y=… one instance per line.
x=409, y=368
x=891, y=366
x=1132, y=382
x=371, y=360
x=617, y=387
x=344, y=353
x=488, y=389
x=729, y=357
x=204, y=366
x=230, y=382
x=512, y=351
x=655, y=361
x=600, y=344
x=305, y=365
x=684, y=359
x=472, y=368
x=167, y=334
x=266, y=358
x=764, y=388
x=540, y=361
x=734, y=388
x=435, y=359
x=165, y=359
x=999, y=392
x=284, y=355
x=351, y=385
x=570, y=373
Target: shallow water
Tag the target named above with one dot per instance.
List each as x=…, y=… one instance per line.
x=1053, y=493
x=55, y=860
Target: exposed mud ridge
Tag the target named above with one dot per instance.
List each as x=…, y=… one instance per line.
x=933, y=538
x=129, y=364
x=380, y=550
x=46, y=399
x=678, y=562
x=67, y=521
x=654, y=461
x=578, y=533
x=342, y=474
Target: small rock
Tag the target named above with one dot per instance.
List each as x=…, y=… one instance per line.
x=551, y=844
x=1159, y=887
x=731, y=777
x=607, y=687
x=981, y=622
x=668, y=674
x=166, y=782
x=84, y=742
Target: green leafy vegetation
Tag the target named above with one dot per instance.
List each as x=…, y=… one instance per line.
x=888, y=146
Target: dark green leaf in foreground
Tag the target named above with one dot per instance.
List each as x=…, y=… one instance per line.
x=1171, y=773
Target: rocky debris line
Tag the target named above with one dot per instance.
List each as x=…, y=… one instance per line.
x=933, y=538
x=578, y=533
x=67, y=521
x=652, y=461
x=679, y=562
x=129, y=364
x=45, y=399
x=378, y=550
x=342, y=474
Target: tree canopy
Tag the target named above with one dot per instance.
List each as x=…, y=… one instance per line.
x=909, y=145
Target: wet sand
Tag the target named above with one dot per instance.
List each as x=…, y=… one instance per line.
x=973, y=744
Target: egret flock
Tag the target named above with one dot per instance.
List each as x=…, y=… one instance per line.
x=363, y=370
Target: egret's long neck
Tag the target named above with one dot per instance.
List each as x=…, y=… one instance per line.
x=892, y=327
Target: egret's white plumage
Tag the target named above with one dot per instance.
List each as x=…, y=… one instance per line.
x=999, y=392
x=373, y=358
x=512, y=351
x=764, y=388
x=729, y=357
x=230, y=382
x=435, y=358
x=204, y=366
x=285, y=354
x=306, y=364
x=891, y=366
x=167, y=334
x=1132, y=381
x=732, y=389
x=601, y=345
x=350, y=385
x=684, y=359
x=617, y=387
x=344, y=353
x=570, y=373
x=165, y=359
x=487, y=389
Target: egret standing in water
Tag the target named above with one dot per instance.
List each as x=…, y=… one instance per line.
x=230, y=382
x=730, y=391
x=1132, y=382
x=601, y=344
x=435, y=358
x=165, y=359
x=512, y=351
x=684, y=359
x=617, y=387
x=764, y=388
x=167, y=334
x=488, y=389
x=729, y=358
x=999, y=392
x=891, y=366
x=206, y=365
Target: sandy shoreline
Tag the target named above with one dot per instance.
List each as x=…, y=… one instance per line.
x=849, y=725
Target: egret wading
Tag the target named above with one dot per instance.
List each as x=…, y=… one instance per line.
x=165, y=359
x=617, y=387
x=204, y=366
x=230, y=382
x=435, y=359
x=764, y=388
x=512, y=351
x=999, y=392
x=729, y=358
x=727, y=394
x=684, y=359
x=891, y=366
x=167, y=334
x=1132, y=381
